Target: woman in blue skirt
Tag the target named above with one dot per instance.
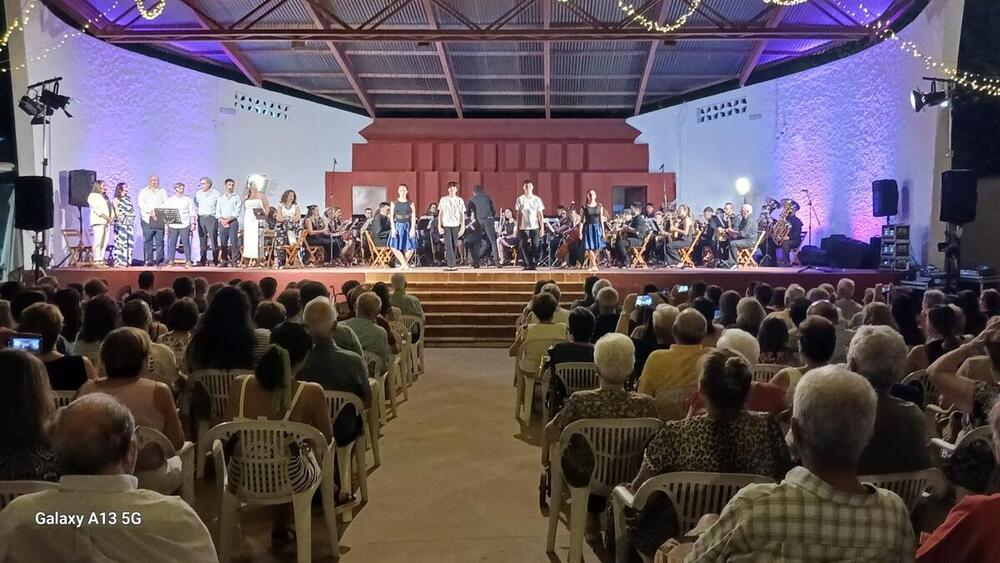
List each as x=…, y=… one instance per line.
x=592, y=230
x=403, y=240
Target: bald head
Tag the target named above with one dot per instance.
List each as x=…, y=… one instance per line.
x=94, y=435
x=690, y=327
x=826, y=310
x=398, y=281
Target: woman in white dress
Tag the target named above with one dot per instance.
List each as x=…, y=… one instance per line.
x=102, y=215
x=251, y=234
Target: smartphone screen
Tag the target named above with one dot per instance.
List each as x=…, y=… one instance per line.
x=683, y=289
x=28, y=342
x=644, y=301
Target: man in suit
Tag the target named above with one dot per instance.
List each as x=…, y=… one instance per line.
x=744, y=234
x=636, y=230
x=481, y=205
x=712, y=222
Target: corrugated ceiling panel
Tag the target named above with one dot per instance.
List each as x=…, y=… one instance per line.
x=601, y=63
x=409, y=99
x=497, y=65
x=459, y=47
x=414, y=84
x=694, y=62
x=602, y=10
x=501, y=85
x=288, y=14
x=481, y=12
x=493, y=101
x=313, y=84
x=292, y=61
x=596, y=84
x=400, y=65
x=358, y=11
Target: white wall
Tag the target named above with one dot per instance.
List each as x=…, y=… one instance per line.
x=830, y=130
x=135, y=116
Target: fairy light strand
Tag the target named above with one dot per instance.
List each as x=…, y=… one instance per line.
x=150, y=13
x=17, y=24
x=62, y=40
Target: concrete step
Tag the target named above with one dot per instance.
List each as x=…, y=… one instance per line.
x=521, y=286
x=433, y=308
x=476, y=331
x=466, y=342
x=473, y=319
x=473, y=297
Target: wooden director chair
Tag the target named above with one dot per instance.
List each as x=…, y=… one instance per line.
x=380, y=255
x=77, y=247
x=637, y=253
x=291, y=249
x=686, y=260
x=744, y=257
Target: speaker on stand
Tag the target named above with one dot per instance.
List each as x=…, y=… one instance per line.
x=34, y=211
x=959, y=194
x=77, y=185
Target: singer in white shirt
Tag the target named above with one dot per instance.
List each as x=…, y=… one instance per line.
x=451, y=222
x=101, y=217
x=181, y=229
x=149, y=199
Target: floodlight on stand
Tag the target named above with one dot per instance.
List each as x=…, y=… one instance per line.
x=920, y=100
x=30, y=106
x=743, y=187
x=55, y=101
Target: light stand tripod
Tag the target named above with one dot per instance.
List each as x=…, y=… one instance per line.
x=809, y=234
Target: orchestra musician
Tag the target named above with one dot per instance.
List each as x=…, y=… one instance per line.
x=380, y=226
x=341, y=232
x=794, y=237
x=403, y=240
x=562, y=226
x=680, y=231
x=744, y=235
x=507, y=236
x=636, y=230
x=474, y=240
x=707, y=243
x=592, y=229
x=317, y=231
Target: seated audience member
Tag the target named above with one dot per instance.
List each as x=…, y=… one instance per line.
x=183, y=286
x=268, y=288
x=877, y=313
x=606, y=317
x=845, y=299
x=830, y=312
x=594, y=290
x=818, y=294
x=899, y=439
x=345, y=309
x=968, y=533
x=94, y=442
x=773, y=340
x=25, y=406
x=985, y=367
x=968, y=302
x=7, y=323
x=408, y=304
x=560, y=315
x=989, y=303
x=906, y=312
x=588, y=297
x=763, y=293
x=268, y=315
x=181, y=319
x=292, y=303
x=70, y=305
x=387, y=314
x=224, y=337
x=942, y=336
x=162, y=364
x=533, y=340
x=333, y=367
x=713, y=330
x=669, y=374
x=124, y=356
x=727, y=439
x=577, y=349
x=659, y=337
x=274, y=393
x=832, y=420
x=146, y=280
x=65, y=373
x=253, y=292
x=101, y=315
x=373, y=337
x=94, y=287
x=213, y=290
x=777, y=304
x=163, y=298
x=975, y=398
x=817, y=341
x=614, y=355
x=763, y=397
x=201, y=293
x=342, y=335
x=728, y=303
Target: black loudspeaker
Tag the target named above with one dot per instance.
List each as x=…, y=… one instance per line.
x=34, y=209
x=885, y=198
x=78, y=184
x=812, y=256
x=958, y=196
x=846, y=252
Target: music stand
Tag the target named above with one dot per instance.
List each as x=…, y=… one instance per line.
x=168, y=215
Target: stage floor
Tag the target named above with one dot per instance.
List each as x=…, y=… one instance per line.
x=623, y=279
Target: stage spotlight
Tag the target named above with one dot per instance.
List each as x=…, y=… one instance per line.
x=920, y=100
x=55, y=101
x=743, y=185
x=31, y=106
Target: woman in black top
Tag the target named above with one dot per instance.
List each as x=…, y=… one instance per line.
x=66, y=373
x=318, y=233
x=25, y=406
x=592, y=230
x=403, y=240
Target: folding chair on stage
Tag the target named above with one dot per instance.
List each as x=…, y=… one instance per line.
x=381, y=255
x=744, y=256
x=686, y=253
x=637, y=253
x=77, y=247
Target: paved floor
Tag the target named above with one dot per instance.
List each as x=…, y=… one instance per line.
x=458, y=481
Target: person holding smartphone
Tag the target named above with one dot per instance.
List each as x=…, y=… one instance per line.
x=66, y=373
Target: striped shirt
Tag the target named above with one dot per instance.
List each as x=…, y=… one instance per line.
x=804, y=519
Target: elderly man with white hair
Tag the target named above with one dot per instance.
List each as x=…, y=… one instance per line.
x=606, y=312
x=407, y=303
x=98, y=513
x=820, y=511
x=899, y=440
x=561, y=315
x=670, y=372
x=845, y=299
x=661, y=338
x=763, y=397
x=745, y=236
x=373, y=338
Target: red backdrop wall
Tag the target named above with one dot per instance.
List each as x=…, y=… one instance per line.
x=564, y=158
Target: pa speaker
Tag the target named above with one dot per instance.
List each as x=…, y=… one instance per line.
x=813, y=256
x=885, y=198
x=33, y=206
x=78, y=184
x=958, y=196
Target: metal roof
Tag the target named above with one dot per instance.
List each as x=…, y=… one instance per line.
x=520, y=58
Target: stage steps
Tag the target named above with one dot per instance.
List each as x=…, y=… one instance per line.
x=476, y=313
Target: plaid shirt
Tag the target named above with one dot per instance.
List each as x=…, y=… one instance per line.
x=804, y=519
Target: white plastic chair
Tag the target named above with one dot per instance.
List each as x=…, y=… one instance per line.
x=618, y=445
x=910, y=486
x=764, y=372
x=671, y=404
x=374, y=416
x=575, y=376
x=266, y=480
x=418, y=350
x=931, y=394
x=354, y=451
x=146, y=434
x=377, y=371
x=9, y=490
x=526, y=379
x=216, y=383
x=692, y=493
x=978, y=434
x=405, y=351
x=63, y=398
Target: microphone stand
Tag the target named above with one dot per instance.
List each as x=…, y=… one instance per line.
x=812, y=215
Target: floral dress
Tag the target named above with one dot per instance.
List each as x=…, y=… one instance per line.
x=124, y=230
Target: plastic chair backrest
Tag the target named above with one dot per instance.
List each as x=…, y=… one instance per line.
x=764, y=372
x=577, y=376
x=265, y=454
x=671, y=404
x=931, y=393
x=618, y=445
x=145, y=435
x=340, y=399
x=217, y=383
x=910, y=485
x=376, y=366
x=530, y=358
x=695, y=493
x=63, y=398
x=410, y=320
x=9, y=490
x=980, y=433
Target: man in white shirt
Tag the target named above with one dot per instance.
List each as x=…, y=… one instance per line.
x=206, y=200
x=228, y=208
x=529, y=208
x=181, y=229
x=149, y=199
x=97, y=512
x=451, y=223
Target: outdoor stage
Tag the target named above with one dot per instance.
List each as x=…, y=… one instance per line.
x=625, y=280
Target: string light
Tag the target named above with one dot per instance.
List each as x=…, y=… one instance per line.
x=17, y=24
x=150, y=13
x=785, y=2
x=62, y=40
